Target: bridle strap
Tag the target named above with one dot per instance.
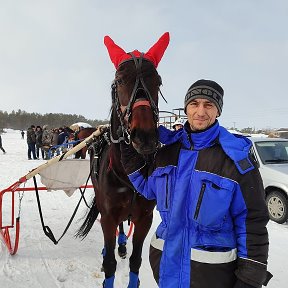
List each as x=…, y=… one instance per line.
x=125, y=135
x=139, y=78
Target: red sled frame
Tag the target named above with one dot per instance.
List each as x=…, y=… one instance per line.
x=5, y=230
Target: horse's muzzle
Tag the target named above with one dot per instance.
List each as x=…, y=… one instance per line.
x=144, y=143
x=145, y=149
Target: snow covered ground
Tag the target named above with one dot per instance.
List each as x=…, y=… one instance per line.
x=74, y=263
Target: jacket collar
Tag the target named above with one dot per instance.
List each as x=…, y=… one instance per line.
x=188, y=138
x=202, y=139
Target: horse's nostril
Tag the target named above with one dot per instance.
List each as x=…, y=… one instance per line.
x=140, y=137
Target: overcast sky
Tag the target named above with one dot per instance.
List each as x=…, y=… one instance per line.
x=52, y=56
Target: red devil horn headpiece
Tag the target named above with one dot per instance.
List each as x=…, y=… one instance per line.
x=154, y=54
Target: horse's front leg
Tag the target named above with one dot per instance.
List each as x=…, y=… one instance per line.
x=109, y=261
x=141, y=229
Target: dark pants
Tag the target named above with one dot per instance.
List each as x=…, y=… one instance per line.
x=2, y=149
x=38, y=149
x=31, y=149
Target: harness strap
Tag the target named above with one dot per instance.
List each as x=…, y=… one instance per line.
x=47, y=231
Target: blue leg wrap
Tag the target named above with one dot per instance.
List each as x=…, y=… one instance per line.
x=109, y=282
x=122, y=239
x=133, y=280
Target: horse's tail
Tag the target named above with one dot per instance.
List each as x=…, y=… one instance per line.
x=89, y=221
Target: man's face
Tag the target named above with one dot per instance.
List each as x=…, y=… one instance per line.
x=201, y=114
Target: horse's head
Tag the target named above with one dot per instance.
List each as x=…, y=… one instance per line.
x=135, y=95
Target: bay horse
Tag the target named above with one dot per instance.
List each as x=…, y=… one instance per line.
x=134, y=118
x=81, y=135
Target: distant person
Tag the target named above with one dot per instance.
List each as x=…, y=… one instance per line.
x=46, y=141
x=22, y=134
x=54, y=142
x=63, y=138
x=31, y=142
x=1, y=147
x=39, y=144
x=178, y=124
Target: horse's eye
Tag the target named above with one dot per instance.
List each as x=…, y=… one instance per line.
x=119, y=81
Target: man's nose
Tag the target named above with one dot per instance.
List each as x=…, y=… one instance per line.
x=201, y=110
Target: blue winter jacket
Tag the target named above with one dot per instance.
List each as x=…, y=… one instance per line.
x=204, y=203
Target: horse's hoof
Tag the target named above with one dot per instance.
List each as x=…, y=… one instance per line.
x=122, y=255
x=122, y=251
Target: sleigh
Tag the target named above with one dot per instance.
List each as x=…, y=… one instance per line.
x=58, y=173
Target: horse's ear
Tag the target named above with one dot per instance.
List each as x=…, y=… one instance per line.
x=116, y=53
x=155, y=53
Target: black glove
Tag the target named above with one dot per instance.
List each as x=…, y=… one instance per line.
x=130, y=159
x=241, y=284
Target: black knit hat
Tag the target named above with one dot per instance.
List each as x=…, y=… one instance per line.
x=206, y=89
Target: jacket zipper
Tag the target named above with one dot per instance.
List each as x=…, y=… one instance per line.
x=199, y=202
x=166, y=200
x=190, y=141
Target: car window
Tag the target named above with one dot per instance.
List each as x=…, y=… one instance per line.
x=272, y=151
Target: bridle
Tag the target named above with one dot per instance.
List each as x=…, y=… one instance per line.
x=123, y=131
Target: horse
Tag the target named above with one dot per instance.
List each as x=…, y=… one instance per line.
x=81, y=135
x=133, y=119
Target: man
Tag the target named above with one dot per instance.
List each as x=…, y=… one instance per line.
x=39, y=144
x=46, y=141
x=63, y=136
x=1, y=147
x=210, y=198
x=31, y=142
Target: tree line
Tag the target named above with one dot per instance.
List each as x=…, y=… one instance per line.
x=21, y=120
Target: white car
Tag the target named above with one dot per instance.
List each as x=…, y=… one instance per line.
x=271, y=155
